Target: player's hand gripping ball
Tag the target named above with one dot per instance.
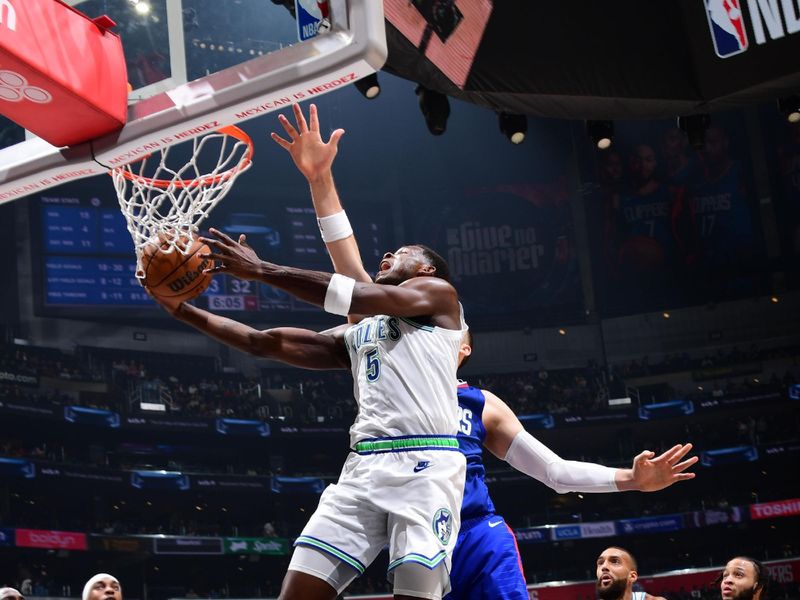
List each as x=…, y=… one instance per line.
x=175, y=275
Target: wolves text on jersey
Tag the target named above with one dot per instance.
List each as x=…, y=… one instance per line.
x=373, y=330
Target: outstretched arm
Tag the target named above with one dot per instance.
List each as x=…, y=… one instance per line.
x=298, y=347
x=508, y=440
x=419, y=296
x=314, y=159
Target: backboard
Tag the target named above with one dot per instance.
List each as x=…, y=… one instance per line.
x=198, y=65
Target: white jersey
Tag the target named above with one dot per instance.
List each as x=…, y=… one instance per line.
x=638, y=596
x=404, y=377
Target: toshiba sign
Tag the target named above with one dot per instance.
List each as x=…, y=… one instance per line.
x=780, y=508
x=60, y=540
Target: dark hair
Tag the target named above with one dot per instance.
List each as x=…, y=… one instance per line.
x=470, y=341
x=633, y=558
x=436, y=261
x=762, y=576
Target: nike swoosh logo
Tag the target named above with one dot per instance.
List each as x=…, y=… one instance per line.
x=419, y=468
x=495, y=524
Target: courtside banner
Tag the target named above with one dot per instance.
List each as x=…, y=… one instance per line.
x=88, y=474
x=780, y=508
x=230, y=483
x=566, y=532
x=56, y=540
x=271, y=546
x=187, y=545
x=17, y=378
x=169, y=423
x=532, y=535
x=599, y=529
x=651, y=524
x=18, y=408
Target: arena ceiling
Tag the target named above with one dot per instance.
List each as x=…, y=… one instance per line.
x=599, y=60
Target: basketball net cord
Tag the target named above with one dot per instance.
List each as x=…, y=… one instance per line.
x=164, y=205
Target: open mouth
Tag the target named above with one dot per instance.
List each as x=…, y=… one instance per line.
x=385, y=265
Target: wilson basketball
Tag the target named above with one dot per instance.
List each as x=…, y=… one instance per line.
x=175, y=274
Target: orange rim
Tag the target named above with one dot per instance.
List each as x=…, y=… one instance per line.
x=207, y=180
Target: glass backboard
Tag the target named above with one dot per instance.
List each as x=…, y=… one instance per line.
x=197, y=65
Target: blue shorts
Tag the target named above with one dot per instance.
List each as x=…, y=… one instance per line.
x=486, y=562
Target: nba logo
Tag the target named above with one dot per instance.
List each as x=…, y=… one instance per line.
x=727, y=27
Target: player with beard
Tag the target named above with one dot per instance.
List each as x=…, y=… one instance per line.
x=617, y=571
x=744, y=578
x=486, y=561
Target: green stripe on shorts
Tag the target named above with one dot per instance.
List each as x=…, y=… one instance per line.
x=325, y=547
x=405, y=444
x=418, y=558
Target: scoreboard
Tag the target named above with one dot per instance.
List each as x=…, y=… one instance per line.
x=87, y=256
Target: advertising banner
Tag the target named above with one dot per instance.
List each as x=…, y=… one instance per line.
x=780, y=508
x=57, y=540
x=532, y=535
x=50, y=470
x=598, y=529
x=119, y=543
x=16, y=378
x=19, y=408
x=271, y=546
x=651, y=524
x=229, y=483
x=566, y=532
x=187, y=545
x=168, y=423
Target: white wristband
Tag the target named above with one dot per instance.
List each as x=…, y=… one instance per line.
x=334, y=227
x=339, y=295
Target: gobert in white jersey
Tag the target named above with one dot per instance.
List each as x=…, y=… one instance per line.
x=402, y=485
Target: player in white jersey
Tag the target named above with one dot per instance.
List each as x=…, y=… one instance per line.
x=404, y=481
x=617, y=572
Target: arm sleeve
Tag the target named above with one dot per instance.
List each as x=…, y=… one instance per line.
x=528, y=455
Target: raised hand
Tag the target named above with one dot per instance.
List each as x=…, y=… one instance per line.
x=234, y=258
x=652, y=473
x=312, y=157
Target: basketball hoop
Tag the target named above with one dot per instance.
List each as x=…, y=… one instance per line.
x=168, y=202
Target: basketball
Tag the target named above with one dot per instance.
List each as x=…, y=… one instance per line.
x=175, y=274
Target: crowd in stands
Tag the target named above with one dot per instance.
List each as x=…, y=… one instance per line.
x=47, y=362
x=724, y=357
x=197, y=387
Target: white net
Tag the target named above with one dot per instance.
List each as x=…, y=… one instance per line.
x=165, y=197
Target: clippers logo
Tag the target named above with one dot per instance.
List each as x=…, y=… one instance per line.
x=727, y=27
x=14, y=88
x=8, y=16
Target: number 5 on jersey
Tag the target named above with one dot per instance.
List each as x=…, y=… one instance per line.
x=373, y=369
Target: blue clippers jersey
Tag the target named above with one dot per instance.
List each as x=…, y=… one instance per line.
x=471, y=434
x=650, y=216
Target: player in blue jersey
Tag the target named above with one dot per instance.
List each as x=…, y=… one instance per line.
x=721, y=207
x=486, y=562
